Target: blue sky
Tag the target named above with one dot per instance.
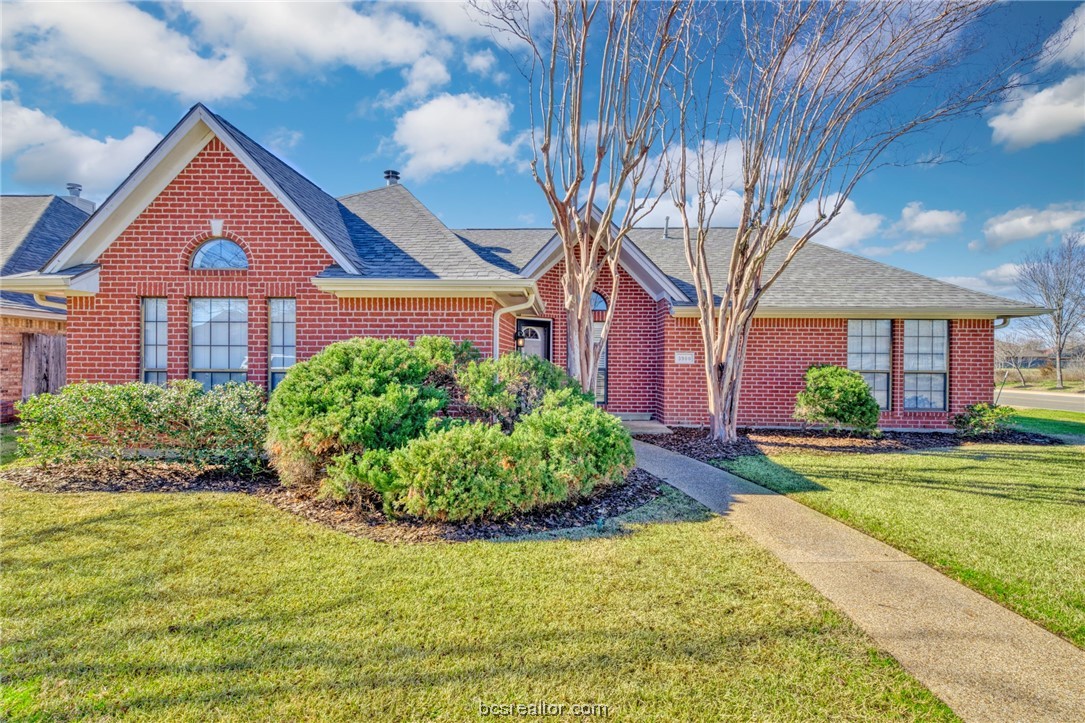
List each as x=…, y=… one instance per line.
x=343, y=91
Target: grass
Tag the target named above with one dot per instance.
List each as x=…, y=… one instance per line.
x=1050, y=421
x=9, y=446
x=1008, y=521
x=198, y=606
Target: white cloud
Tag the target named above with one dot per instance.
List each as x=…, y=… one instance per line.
x=1067, y=45
x=908, y=247
x=452, y=131
x=1001, y=280
x=78, y=45
x=914, y=219
x=1045, y=115
x=728, y=213
x=305, y=35
x=849, y=229
x=481, y=62
x=452, y=17
x=282, y=140
x=47, y=154
x=427, y=74
x=1026, y=222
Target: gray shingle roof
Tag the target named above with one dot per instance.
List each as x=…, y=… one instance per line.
x=411, y=243
x=32, y=228
x=819, y=277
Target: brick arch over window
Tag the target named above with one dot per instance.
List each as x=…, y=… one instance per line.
x=197, y=242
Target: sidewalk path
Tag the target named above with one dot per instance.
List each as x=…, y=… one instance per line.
x=985, y=662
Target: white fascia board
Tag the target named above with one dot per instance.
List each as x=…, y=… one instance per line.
x=21, y=312
x=396, y=288
x=36, y=282
x=888, y=312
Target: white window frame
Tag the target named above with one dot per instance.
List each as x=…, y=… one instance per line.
x=240, y=371
x=857, y=330
x=912, y=359
x=161, y=341
x=280, y=369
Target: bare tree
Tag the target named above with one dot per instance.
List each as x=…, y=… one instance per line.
x=813, y=95
x=596, y=70
x=1055, y=278
x=1015, y=351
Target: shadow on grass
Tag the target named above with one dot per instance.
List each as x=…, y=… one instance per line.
x=1018, y=474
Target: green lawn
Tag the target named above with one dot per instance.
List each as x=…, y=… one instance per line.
x=9, y=447
x=200, y=606
x=1050, y=421
x=1009, y=521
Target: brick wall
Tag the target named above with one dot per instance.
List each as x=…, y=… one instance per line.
x=152, y=258
x=780, y=351
x=634, y=359
x=12, y=329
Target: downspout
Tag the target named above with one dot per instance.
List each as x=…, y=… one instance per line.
x=1001, y=322
x=497, y=319
x=42, y=300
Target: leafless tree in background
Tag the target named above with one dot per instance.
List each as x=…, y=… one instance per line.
x=1055, y=278
x=596, y=70
x=814, y=94
x=1015, y=350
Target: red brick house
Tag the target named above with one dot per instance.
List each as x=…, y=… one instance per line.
x=215, y=260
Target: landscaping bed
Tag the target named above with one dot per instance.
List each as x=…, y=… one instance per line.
x=362, y=519
x=693, y=442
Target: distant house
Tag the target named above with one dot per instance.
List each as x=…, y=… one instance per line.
x=32, y=229
x=215, y=260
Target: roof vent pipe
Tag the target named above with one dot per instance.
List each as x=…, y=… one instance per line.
x=666, y=226
x=391, y=177
x=83, y=204
x=74, y=189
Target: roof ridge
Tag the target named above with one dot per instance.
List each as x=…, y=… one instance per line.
x=371, y=190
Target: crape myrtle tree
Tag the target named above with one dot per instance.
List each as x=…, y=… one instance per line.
x=1054, y=277
x=811, y=97
x=596, y=72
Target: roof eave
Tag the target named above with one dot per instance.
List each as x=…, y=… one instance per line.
x=83, y=283
x=353, y=287
x=888, y=312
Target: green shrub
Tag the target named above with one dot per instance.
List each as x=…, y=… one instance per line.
x=581, y=446
x=837, y=397
x=982, y=418
x=85, y=421
x=512, y=386
x=353, y=397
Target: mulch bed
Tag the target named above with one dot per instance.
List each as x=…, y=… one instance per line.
x=362, y=520
x=694, y=442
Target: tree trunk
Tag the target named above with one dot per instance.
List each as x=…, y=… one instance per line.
x=1058, y=368
x=725, y=382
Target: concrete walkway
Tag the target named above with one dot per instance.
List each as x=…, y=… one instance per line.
x=985, y=662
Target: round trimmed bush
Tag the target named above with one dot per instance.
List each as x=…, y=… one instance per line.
x=512, y=386
x=838, y=397
x=353, y=397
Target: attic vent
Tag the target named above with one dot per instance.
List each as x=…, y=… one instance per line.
x=391, y=177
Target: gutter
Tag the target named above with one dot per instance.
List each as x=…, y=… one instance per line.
x=42, y=300
x=361, y=287
x=888, y=312
x=500, y=312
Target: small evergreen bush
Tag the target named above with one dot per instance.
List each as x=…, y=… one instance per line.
x=353, y=397
x=837, y=397
x=512, y=386
x=982, y=418
x=88, y=421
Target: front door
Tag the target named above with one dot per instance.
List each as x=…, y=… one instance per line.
x=536, y=337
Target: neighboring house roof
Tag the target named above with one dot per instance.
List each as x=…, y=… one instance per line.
x=405, y=240
x=32, y=228
x=820, y=280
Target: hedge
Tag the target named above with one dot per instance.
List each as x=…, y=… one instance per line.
x=837, y=397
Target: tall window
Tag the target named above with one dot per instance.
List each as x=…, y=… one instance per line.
x=154, y=342
x=282, y=315
x=926, y=363
x=598, y=303
x=220, y=253
x=219, y=341
x=869, y=351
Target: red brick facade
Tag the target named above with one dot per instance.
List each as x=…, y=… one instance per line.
x=151, y=258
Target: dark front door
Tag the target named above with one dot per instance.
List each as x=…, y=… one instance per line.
x=536, y=336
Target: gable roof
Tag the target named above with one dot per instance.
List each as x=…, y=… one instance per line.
x=820, y=281
x=32, y=228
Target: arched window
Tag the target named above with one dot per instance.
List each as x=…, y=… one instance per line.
x=598, y=303
x=220, y=253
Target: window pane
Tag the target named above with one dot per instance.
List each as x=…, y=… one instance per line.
x=220, y=254
x=601, y=373
x=925, y=345
x=925, y=391
x=219, y=340
x=282, y=350
x=154, y=341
